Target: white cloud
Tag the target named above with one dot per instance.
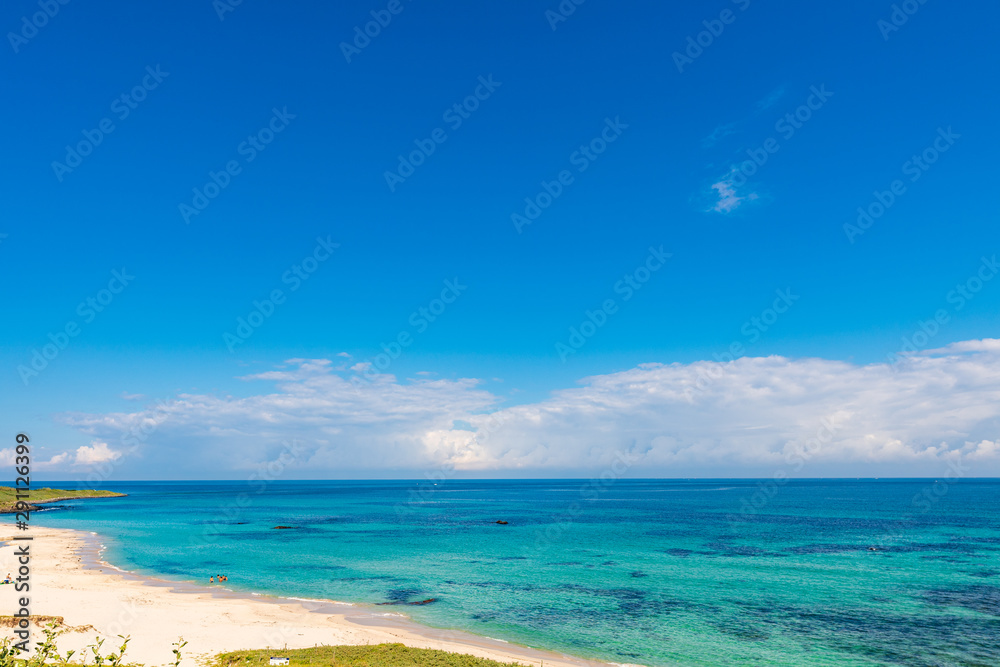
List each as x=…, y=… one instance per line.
x=58, y=459
x=753, y=414
x=97, y=452
x=8, y=457
x=728, y=200
x=984, y=345
x=132, y=397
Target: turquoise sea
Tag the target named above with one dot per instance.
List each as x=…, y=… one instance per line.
x=656, y=572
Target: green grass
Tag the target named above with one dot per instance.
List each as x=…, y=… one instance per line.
x=113, y=655
x=8, y=496
x=377, y=655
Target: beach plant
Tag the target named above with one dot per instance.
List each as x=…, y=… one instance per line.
x=8, y=652
x=115, y=659
x=95, y=648
x=112, y=659
x=47, y=648
x=178, y=645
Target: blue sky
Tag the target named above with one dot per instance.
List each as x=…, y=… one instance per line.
x=554, y=86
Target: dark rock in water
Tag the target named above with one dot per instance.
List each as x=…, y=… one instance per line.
x=680, y=553
x=744, y=633
x=282, y=527
x=395, y=602
x=502, y=523
x=984, y=599
x=985, y=574
x=638, y=574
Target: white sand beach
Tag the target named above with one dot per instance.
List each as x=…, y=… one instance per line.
x=69, y=580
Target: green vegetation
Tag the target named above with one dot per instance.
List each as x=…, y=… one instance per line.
x=36, y=497
x=47, y=654
x=376, y=655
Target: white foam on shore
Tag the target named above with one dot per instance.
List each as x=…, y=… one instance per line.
x=108, y=565
x=322, y=601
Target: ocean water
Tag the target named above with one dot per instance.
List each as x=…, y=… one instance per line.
x=656, y=572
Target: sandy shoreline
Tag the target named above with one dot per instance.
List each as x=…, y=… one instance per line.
x=68, y=579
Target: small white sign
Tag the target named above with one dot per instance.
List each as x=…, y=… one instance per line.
x=279, y=661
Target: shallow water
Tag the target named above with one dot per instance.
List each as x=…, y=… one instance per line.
x=701, y=572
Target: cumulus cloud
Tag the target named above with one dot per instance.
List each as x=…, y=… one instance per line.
x=985, y=345
x=58, y=459
x=8, y=457
x=373, y=422
x=97, y=452
x=752, y=413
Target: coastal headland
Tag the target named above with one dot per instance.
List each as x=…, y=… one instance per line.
x=37, y=497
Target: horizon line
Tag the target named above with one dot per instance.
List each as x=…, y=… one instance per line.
x=528, y=479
